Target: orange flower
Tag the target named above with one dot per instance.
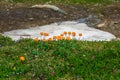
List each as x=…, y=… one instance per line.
x=36, y=39
x=80, y=34
x=58, y=37
x=50, y=39
x=62, y=35
x=22, y=58
x=73, y=34
x=69, y=33
x=62, y=38
x=54, y=37
x=44, y=40
x=68, y=38
x=46, y=34
x=65, y=33
x=41, y=33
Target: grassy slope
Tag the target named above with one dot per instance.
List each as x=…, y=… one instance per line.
x=59, y=59
x=74, y=60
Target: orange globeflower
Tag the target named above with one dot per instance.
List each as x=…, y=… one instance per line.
x=73, y=34
x=46, y=34
x=41, y=33
x=62, y=38
x=54, y=37
x=69, y=33
x=68, y=38
x=65, y=33
x=44, y=40
x=50, y=39
x=80, y=34
x=62, y=35
x=36, y=39
x=58, y=37
x=22, y=58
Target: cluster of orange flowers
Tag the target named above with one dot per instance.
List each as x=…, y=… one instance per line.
x=64, y=36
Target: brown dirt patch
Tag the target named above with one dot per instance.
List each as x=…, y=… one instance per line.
x=14, y=17
x=20, y=16
x=112, y=15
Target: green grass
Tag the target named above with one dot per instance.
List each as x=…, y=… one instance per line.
x=59, y=60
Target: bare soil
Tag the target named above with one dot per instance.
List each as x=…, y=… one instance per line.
x=111, y=14
x=21, y=16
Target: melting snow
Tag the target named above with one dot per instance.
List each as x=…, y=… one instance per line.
x=54, y=29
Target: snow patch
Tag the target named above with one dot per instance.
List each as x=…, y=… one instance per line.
x=54, y=29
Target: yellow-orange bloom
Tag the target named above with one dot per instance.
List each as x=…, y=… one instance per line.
x=65, y=33
x=68, y=38
x=80, y=34
x=36, y=39
x=62, y=35
x=46, y=34
x=41, y=33
x=54, y=37
x=44, y=40
x=22, y=58
x=50, y=39
x=69, y=33
x=62, y=38
x=58, y=37
x=73, y=34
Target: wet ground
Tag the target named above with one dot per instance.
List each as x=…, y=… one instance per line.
x=20, y=16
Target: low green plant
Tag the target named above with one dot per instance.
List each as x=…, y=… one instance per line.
x=5, y=41
x=58, y=60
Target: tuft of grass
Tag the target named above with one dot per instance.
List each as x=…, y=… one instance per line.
x=5, y=41
x=59, y=60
